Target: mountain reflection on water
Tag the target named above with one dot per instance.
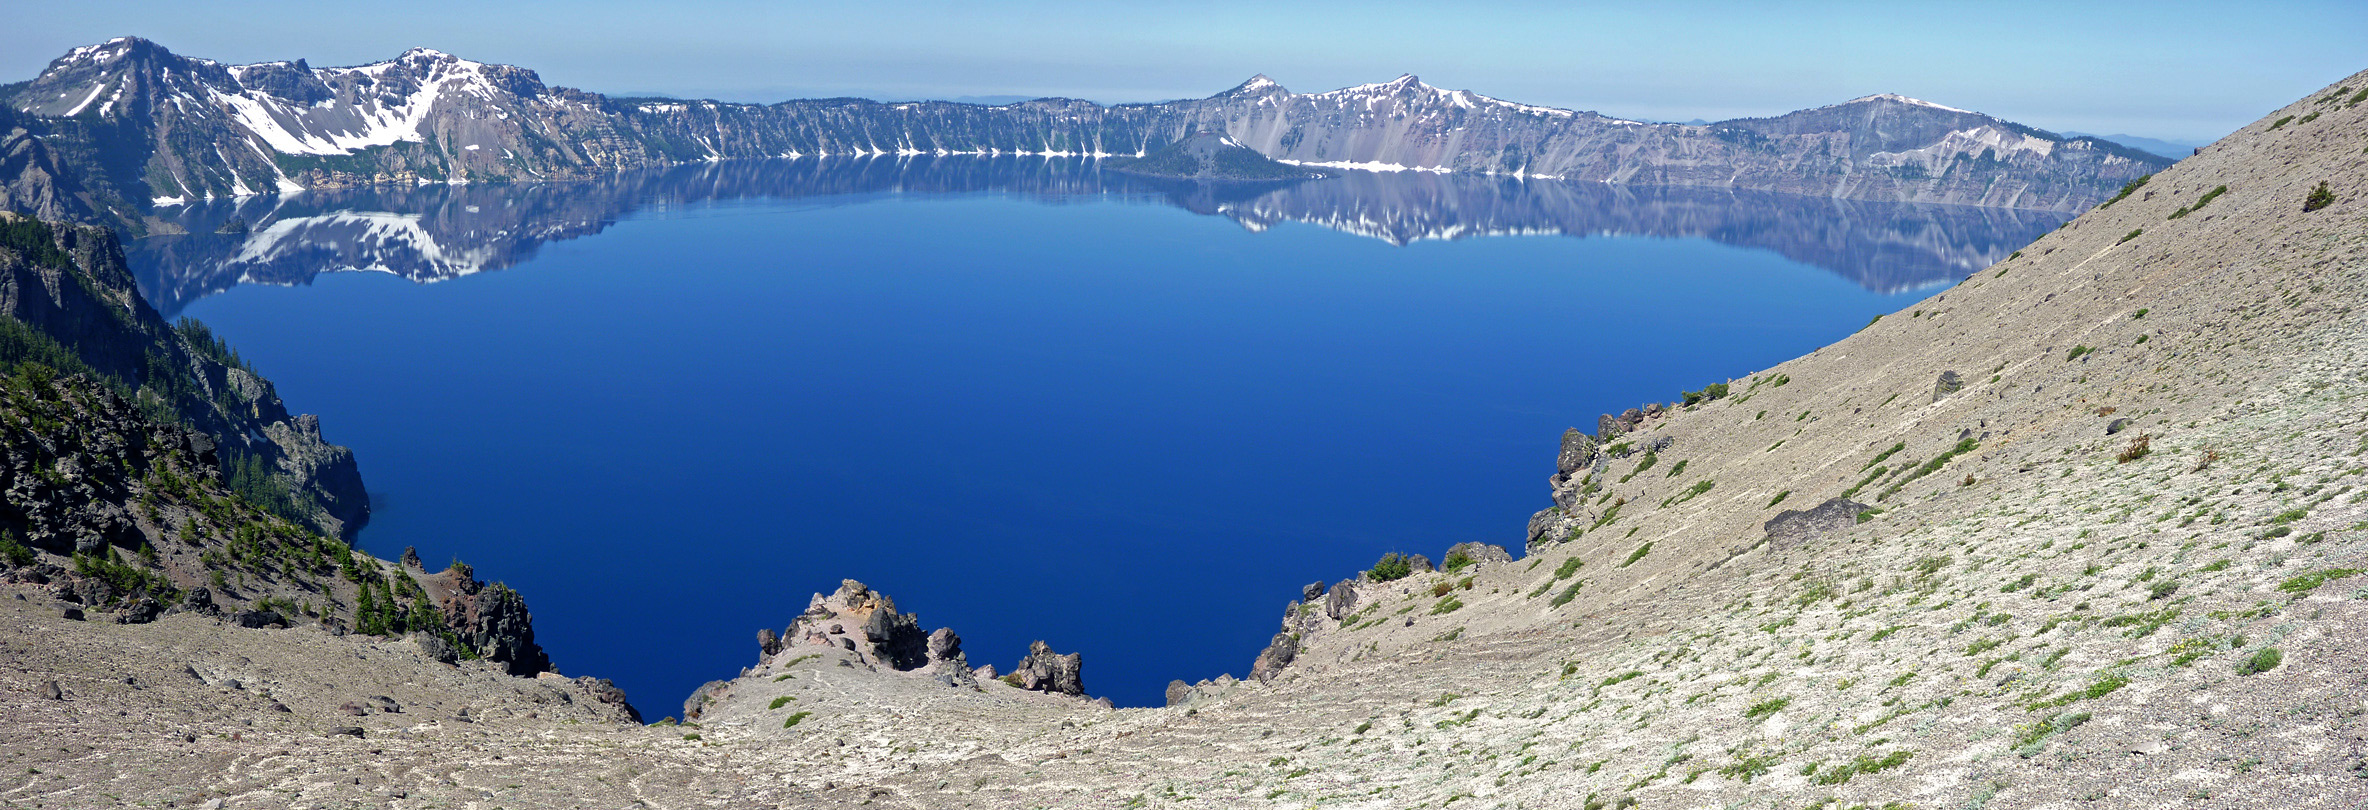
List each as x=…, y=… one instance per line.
x=437, y=232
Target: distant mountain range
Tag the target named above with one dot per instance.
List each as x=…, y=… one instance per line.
x=2174, y=150
x=110, y=132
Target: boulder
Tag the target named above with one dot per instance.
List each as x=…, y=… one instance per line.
x=257, y=619
x=1794, y=527
x=1949, y=383
x=435, y=648
x=1309, y=592
x=411, y=559
x=139, y=611
x=1420, y=564
x=1278, y=654
x=1578, y=452
x=1608, y=426
x=1045, y=671
x=2117, y=426
x=201, y=601
x=1178, y=692
x=605, y=691
x=767, y=644
x=1342, y=601
x=49, y=691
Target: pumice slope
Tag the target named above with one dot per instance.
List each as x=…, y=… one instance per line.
x=2085, y=530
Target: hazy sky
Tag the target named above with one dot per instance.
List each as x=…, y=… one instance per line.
x=2175, y=70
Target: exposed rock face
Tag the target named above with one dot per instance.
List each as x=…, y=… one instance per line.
x=1045, y=671
x=856, y=618
x=767, y=644
x=426, y=115
x=1342, y=601
x=1793, y=527
x=1479, y=553
x=492, y=619
x=1277, y=655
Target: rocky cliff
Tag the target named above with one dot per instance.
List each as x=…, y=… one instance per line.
x=71, y=286
x=109, y=131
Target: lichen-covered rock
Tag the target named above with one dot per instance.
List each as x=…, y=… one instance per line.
x=1479, y=553
x=1949, y=383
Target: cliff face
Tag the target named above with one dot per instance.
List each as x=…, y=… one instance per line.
x=129, y=119
x=71, y=284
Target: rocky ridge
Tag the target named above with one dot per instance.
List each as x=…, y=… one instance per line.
x=2041, y=606
x=110, y=131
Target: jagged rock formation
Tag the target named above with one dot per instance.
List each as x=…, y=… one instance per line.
x=129, y=120
x=1043, y=670
x=2039, y=614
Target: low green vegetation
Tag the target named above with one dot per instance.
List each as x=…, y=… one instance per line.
x=1638, y=554
x=1761, y=710
x=2262, y=660
x=1392, y=566
x=2127, y=189
x=793, y=720
x=2200, y=202
x=2305, y=583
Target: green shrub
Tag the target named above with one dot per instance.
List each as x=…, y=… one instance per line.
x=13, y=550
x=2131, y=235
x=1638, y=554
x=795, y=719
x=2274, y=125
x=1392, y=566
x=2262, y=660
x=2199, y=203
x=1568, y=567
x=781, y=701
x=1772, y=502
x=2311, y=581
x=1455, y=562
x=2320, y=197
x=1568, y=594
x=2127, y=189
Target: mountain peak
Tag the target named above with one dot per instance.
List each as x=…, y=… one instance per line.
x=1259, y=84
x=1896, y=98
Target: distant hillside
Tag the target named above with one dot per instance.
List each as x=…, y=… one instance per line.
x=2170, y=149
x=108, y=132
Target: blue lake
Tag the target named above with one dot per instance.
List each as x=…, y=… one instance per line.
x=1026, y=399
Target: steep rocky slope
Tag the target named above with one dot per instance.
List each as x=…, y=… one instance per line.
x=109, y=131
x=2085, y=530
x=70, y=286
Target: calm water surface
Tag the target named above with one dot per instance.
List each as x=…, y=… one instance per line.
x=1131, y=422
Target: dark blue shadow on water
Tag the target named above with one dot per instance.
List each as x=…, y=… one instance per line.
x=1131, y=424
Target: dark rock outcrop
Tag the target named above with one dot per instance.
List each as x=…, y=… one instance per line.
x=767, y=644
x=1046, y=671
x=1949, y=383
x=1342, y=601
x=1793, y=527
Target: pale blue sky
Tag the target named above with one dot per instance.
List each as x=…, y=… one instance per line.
x=2175, y=70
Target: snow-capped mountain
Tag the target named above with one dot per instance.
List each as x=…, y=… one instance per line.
x=110, y=131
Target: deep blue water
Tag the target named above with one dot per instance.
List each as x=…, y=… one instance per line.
x=1112, y=424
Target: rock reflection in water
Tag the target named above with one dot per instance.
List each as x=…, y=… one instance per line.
x=438, y=232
